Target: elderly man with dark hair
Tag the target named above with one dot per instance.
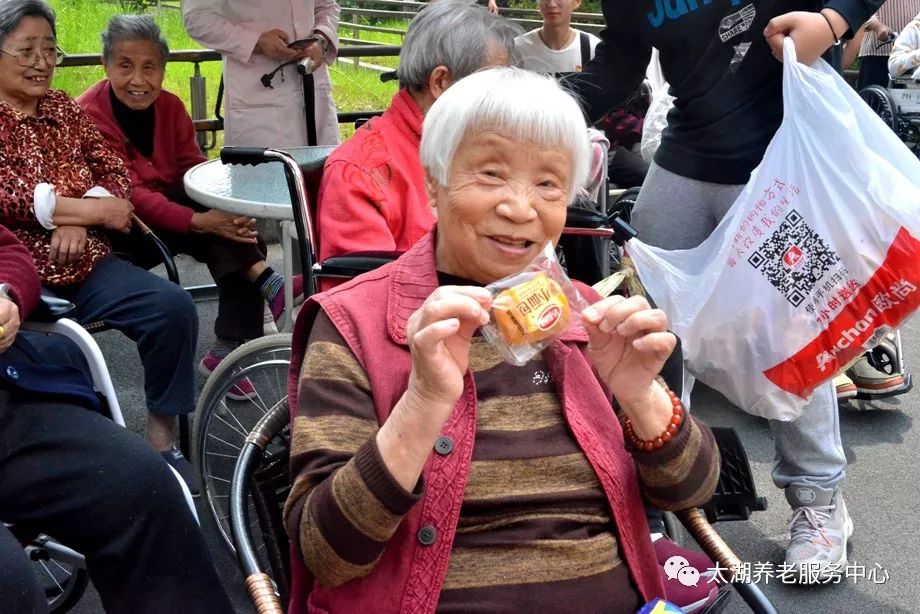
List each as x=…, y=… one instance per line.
x=372, y=196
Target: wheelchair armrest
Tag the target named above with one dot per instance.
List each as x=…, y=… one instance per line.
x=51, y=309
x=584, y=218
x=354, y=264
x=735, y=496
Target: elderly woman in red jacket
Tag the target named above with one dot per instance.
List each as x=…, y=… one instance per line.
x=429, y=474
x=153, y=134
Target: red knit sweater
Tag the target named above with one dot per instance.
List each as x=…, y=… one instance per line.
x=157, y=181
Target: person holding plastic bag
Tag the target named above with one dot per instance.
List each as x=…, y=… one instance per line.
x=721, y=59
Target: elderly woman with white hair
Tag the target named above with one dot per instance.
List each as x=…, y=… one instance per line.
x=428, y=474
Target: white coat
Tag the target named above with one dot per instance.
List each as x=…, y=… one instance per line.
x=257, y=116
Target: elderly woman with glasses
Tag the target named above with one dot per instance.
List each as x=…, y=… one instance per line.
x=429, y=475
x=61, y=188
x=150, y=130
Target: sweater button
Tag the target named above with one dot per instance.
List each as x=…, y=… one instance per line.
x=444, y=445
x=12, y=373
x=427, y=535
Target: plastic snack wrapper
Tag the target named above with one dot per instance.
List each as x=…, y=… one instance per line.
x=532, y=308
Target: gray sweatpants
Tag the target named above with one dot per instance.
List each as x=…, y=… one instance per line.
x=675, y=212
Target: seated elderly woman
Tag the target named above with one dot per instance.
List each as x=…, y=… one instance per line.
x=152, y=133
x=372, y=195
x=65, y=467
x=904, y=60
x=429, y=475
x=62, y=187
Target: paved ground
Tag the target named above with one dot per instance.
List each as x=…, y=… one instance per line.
x=881, y=489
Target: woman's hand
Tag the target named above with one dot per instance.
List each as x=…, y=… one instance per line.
x=628, y=342
x=9, y=323
x=67, y=244
x=116, y=213
x=809, y=31
x=439, y=335
x=225, y=225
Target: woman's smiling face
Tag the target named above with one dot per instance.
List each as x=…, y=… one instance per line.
x=505, y=199
x=22, y=86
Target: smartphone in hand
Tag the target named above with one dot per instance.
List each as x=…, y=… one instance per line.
x=303, y=42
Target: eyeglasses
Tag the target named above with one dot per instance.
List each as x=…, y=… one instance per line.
x=28, y=58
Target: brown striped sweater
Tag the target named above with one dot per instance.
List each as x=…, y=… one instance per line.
x=535, y=530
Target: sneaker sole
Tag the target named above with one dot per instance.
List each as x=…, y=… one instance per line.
x=203, y=370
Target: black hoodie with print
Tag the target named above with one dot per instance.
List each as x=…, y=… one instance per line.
x=727, y=84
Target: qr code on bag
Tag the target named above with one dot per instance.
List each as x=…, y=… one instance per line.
x=794, y=258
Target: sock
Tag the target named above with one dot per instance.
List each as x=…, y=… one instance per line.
x=270, y=284
x=222, y=347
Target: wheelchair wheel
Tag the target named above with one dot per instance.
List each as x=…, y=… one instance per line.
x=223, y=424
x=880, y=101
x=63, y=580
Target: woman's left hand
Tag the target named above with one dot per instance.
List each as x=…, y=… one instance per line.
x=67, y=244
x=809, y=31
x=628, y=342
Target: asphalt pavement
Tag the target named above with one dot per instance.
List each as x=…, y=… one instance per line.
x=882, y=485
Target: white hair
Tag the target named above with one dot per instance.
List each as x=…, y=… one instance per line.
x=519, y=103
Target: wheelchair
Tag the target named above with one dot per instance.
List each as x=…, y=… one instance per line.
x=248, y=503
x=898, y=106
x=61, y=571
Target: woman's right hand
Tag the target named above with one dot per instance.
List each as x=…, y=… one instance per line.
x=439, y=336
x=225, y=225
x=116, y=213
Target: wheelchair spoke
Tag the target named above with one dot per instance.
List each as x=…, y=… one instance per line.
x=219, y=455
x=241, y=431
x=61, y=567
x=213, y=436
x=211, y=476
x=51, y=575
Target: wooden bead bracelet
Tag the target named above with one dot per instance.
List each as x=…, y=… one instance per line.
x=677, y=418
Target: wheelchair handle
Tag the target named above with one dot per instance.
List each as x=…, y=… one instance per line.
x=244, y=155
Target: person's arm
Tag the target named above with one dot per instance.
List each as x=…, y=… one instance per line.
x=629, y=345
x=815, y=33
x=326, y=23
x=344, y=504
x=851, y=48
x=18, y=269
x=905, y=54
x=351, y=212
x=616, y=70
x=852, y=12
x=205, y=21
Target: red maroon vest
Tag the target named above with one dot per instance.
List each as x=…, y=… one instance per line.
x=371, y=312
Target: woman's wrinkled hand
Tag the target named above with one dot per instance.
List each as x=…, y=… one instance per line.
x=225, y=225
x=809, y=31
x=628, y=342
x=116, y=213
x=439, y=336
x=67, y=244
x=9, y=323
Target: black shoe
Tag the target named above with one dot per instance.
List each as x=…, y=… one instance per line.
x=186, y=471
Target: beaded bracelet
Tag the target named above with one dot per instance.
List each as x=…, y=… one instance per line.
x=677, y=418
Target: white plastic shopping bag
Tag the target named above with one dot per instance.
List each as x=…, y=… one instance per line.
x=816, y=260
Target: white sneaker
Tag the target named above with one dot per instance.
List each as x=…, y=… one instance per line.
x=820, y=527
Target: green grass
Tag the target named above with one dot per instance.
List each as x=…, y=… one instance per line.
x=80, y=23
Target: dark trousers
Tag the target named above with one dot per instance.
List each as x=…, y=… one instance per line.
x=240, y=304
x=154, y=313
x=101, y=490
x=873, y=70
